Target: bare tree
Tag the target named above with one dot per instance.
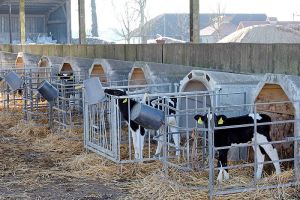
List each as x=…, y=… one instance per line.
x=140, y=9
x=217, y=20
x=94, y=30
x=182, y=25
x=127, y=20
x=133, y=10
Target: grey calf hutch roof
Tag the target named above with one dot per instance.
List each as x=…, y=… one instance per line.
x=25, y=60
x=109, y=70
x=154, y=73
x=50, y=61
x=220, y=81
x=229, y=88
x=79, y=66
x=7, y=59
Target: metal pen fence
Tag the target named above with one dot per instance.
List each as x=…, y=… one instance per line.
x=107, y=133
x=67, y=109
x=35, y=107
x=196, y=167
x=9, y=98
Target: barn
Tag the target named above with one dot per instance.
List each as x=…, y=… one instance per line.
x=42, y=19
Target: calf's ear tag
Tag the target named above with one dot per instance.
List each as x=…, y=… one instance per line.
x=125, y=100
x=221, y=121
x=200, y=121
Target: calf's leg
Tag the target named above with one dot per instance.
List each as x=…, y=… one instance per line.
x=270, y=150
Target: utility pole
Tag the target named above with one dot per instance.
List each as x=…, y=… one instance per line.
x=9, y=22
x=94, y=30
x=194, y=21
x=22, y=22
x=81, y=15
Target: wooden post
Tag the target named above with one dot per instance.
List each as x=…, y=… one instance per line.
x=194, y=21
x=68, y=18
x=9, y=22
x=22, y=22
x=81, y=14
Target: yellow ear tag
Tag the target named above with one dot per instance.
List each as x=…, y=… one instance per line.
x=125, y=100
x=221, y=121
x=200, y=121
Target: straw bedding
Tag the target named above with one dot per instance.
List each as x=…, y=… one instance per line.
x=34, y=157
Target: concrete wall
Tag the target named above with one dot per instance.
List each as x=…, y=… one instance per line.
x=234, y=57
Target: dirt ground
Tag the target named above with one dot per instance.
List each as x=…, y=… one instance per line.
x=29, y=171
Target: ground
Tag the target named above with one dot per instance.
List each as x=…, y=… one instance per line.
x=29, y=172
x=36, y=163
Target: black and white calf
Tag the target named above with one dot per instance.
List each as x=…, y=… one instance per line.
x=170, y=121
x=137, y=131
x=229, y=136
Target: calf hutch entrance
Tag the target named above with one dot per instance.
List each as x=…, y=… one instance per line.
x=98, y=71
x=66, y=69
x=278, y=96
x=137, y=77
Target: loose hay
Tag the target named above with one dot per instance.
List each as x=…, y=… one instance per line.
x=33, y=156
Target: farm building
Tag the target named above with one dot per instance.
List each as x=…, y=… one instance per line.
x=39, y=18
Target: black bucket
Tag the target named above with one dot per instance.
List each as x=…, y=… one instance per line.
x=13, y=80
x=48, y=91
x=147, y=116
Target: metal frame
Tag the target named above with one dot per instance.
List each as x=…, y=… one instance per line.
x=66, y=110
x=206, y=151
x=35, y=108
x=107, y=134
x=8, y=98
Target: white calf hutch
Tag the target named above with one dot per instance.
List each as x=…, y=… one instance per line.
x=51, y=62
x=225, y=89
x=78, y=67
x=144, y=73
x=25, y=60
x=111, y=72
x=278, y=96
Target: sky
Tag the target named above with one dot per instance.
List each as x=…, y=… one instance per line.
x=108, y=11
